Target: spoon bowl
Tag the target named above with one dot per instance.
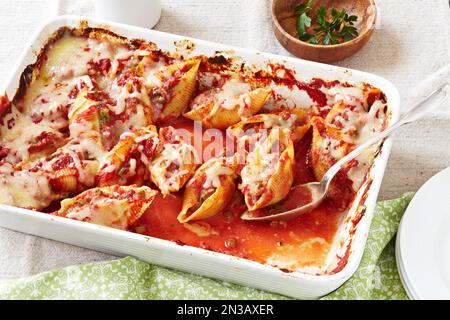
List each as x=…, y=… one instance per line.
x=316, y=190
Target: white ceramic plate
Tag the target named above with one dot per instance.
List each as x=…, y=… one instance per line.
x=423, y=241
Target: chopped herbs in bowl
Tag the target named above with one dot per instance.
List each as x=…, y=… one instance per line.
x=323, y=30
x=323, y=26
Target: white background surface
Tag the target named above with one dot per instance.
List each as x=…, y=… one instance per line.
x=412, y=41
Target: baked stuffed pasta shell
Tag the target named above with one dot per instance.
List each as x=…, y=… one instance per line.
x=128, y=162
x=175, y=164
x=351, y=124
x=92, y=116
x=269, y=171
x=80, y=104
x=227, y=105
x=35, y=185
x=328, y=146
x=250, y=131
x=209, y=191
x=115, y=206
x=294, y=121
x=87, y=119
x=172, y=88
x=40, y=146
x=349, y=120
x=24, y=189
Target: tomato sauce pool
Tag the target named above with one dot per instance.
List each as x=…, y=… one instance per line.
x=289, y=245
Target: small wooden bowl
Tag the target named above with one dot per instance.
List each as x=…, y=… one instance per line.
x=283, y=23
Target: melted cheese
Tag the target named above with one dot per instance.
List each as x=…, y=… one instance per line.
x=232, y=94
x=348, y=95
x=273, y=121
x=375, y=121
x=285, y=97
x=24, y=132
x=180, y=154
x=26, y=190
x=214, y=172
x=107, y=212
x=261, y=163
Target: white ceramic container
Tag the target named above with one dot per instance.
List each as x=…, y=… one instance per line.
x=142, y=13
x=200, y=261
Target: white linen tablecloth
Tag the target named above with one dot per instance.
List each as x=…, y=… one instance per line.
x=412, y=40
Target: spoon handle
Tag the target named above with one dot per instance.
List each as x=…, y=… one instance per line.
x=435, y=99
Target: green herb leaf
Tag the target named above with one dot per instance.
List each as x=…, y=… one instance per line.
x=307, y=37
x=321, y=15
x=331, y=29
x=303, y=22
x=326, y=39
x=303, y=8
x=352, y=19
x=103, y=116
x=313, y=40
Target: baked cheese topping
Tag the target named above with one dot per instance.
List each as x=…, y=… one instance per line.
x=213, y=174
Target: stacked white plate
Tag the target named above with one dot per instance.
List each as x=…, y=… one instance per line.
x=423, y=241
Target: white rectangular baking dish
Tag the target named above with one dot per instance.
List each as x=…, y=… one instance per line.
x=195, y=260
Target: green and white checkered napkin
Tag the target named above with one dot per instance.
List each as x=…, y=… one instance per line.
x=129, y=278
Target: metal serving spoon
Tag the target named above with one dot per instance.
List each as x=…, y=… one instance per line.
x=319, y=190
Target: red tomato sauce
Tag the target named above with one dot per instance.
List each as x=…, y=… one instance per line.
x=258, y=241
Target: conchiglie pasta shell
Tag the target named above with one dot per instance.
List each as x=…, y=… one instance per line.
x=80, y=105
x=160, y=181
x=37, y=155
x=90, y=115
x=214, y=204
x=199, y=113
x=182, y=92
x=183, y=179
x=239, y=128
x=258, y=99
x=148, y=113
x=120, y=151
x=335, y=110
x=138, y=208
x=119, y=212
x=222, y=118
x=333, y=122
x=118, y=154
x=279, y=183
x=303, y=116
x=116, y=158
x=65, y=180
x=322, y=160
x=301, y=131
x=92, y=167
